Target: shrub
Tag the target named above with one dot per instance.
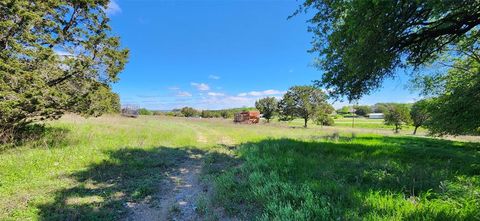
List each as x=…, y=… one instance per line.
x=144, y=111
x=189, y=112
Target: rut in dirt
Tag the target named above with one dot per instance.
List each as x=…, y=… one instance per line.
x=178, y=194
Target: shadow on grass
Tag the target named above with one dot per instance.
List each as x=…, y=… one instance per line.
x=129, y=175
x=38, y=136
x=354, y=178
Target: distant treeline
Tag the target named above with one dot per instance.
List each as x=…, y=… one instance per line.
x=191, y=112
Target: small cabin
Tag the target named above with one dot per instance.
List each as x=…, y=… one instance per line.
x=376, y=116
x=247, y=117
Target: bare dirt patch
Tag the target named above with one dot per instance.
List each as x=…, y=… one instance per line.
x=178, y=196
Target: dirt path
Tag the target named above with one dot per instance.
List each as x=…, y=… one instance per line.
x=178, y=197
x=180, y=191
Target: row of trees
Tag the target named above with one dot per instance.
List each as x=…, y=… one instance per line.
x=424, y=113
x=192, y=112
x=306, y=102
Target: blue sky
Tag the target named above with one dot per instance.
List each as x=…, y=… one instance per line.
x=218, y=54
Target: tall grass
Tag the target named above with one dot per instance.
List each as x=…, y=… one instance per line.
x=91, y=170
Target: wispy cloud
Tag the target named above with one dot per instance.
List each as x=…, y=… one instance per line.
x=200, y=86
x=220, y=102
x=261, y=93
x=213, y=94
x=214, y=77
x=113, y=8
x=174, y=88
x=148, y=96
x=183, y=94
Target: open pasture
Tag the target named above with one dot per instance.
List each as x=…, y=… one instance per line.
x=107, y=168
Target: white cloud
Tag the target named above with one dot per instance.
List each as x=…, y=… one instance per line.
x=215, y=102
x=113, y=8
x=214, y=77
x=213, y=94
x=183, y=94
x=261, y=93
x=174, y=88
x=201, y=86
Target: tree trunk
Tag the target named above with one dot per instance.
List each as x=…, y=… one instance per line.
x=396, y=129
x=415, y=130
x=306, y=120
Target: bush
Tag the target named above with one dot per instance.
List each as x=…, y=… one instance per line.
x=226, y=114
x=338, y=116
x=324, y=120
x=363, y=110
x=189, y=112
x=329, y=122
x=398, y=115
x=158, y=113
x=144, y=111
x=174, y=114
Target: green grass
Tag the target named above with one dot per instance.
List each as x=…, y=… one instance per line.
x=343, y=178
x=373, y=125
x=88, y=169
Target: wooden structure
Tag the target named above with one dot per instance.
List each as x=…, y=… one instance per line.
x=247, y=117
x=130, y=111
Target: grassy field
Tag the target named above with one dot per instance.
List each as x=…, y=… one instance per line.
x=90, y=169
x=372, y=124
x=360, y=123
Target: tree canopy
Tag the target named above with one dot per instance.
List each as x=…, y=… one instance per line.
x=420, y=114
x=362, y=110
x=56, y=56
x=189, y=112
x=455, y=107
x=360, y=43
x=304, y=102
x=267, y=106
x=398, y=115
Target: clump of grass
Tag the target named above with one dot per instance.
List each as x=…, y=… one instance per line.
x=202, y=205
